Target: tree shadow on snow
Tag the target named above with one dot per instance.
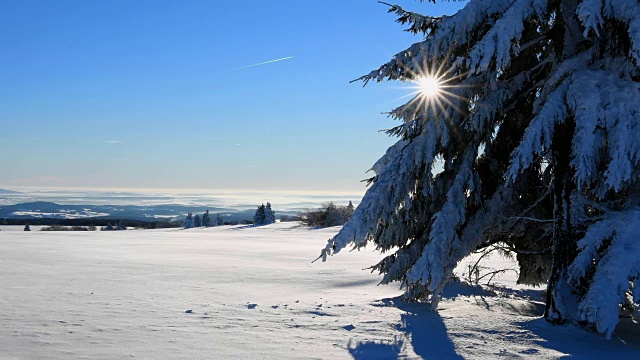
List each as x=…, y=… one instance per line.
x=312, y=228
x=457, y=287
x=374, y=350
x=246, y=226
x=421, y=326
x=576, y=342
x=425, y=328
x=495, y=298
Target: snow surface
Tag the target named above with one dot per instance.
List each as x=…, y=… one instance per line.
x=252, y=292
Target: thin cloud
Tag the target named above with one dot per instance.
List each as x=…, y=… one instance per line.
x=258, y=64
x=114, y=141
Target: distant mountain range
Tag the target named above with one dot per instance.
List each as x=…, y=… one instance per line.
x=8, y=192
x=43, y=209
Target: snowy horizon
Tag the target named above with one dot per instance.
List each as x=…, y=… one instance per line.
x=232, y=199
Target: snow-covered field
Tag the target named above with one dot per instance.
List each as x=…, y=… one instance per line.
x=252, y=293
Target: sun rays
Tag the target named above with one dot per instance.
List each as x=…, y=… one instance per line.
x=429, y=86
x=434, y=91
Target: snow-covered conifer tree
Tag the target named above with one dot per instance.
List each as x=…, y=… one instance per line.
x=260, y=216
x=188, y=221
x=269, y=214
x=206, y=219
x=525, y=130
x=27, y=227
x=196, y=221
x=219, y=221
x=121, y=225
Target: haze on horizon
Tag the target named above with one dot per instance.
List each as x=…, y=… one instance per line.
x=139, y=94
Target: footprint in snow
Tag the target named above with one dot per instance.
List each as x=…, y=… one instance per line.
x=349, y=327
x=189, y=311
x=251, y=306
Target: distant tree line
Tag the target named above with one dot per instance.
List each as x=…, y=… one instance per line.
x=57, y=227
x=163, y=224
x=71, y=222
x=92, y=222
x=329, y=214
x=121, y=226
x=289, y=218
x=207, y=220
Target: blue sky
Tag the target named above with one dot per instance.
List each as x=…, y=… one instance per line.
x=137, y=94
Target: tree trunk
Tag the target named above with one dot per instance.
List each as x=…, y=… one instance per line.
x=561, y=302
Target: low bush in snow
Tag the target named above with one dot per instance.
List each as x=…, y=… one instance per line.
x=328, y=215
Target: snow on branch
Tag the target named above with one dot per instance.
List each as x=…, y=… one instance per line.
x=584, y=102
x=539, y=134
x=453, y=33
x=418, y=23
x=627, y=11
x=611, y=247
x=503, y=39
x=396, y=178
x=590, y=14
x=494, y=102
x=433, y=267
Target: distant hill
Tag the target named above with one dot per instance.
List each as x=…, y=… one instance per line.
x=50, y=210
x=7, y=192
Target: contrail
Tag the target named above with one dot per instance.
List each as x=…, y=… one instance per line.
x=258, y=64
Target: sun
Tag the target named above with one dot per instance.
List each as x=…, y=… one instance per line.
x=429, y=86
x=435, y=91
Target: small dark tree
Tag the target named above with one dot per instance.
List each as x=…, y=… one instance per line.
x=206, y=219
x=269, y=214
x=27, y=228
x=260, y=216
x=188, y=221
x=350, y=208
x=196, y=221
